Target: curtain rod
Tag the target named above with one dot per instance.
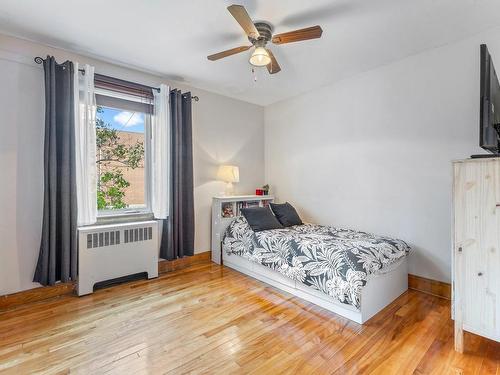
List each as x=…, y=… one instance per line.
x=40, y=60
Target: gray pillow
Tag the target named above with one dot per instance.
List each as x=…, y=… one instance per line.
x=261, y=218
x=286, y=214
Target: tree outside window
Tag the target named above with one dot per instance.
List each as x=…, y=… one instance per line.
x=120, y=159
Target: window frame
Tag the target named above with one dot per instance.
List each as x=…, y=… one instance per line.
x=124, y=214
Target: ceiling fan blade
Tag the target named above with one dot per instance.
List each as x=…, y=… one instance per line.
x=229, y=52
x=240, y=14
x=273, y=67
x=298, y=35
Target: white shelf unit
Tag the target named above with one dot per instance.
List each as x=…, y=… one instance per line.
x=221, y=222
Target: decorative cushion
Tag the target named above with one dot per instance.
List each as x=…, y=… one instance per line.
x=261, y=218
x=286, y=214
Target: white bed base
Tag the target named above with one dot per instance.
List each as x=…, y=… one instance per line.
x=380, y=290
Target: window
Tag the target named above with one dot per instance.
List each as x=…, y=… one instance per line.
x=123, y=144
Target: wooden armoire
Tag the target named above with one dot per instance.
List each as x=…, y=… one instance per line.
x=476, y=248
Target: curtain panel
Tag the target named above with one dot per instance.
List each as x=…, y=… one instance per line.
x=57, y=259
x=85, y=144
x=178, y=230
x=160, y=155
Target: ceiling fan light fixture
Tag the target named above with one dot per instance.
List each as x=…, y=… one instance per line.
x=259, y=34
x=260, y=57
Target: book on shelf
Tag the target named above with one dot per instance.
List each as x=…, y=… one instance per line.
x=233, y=209
x=252, y=204
x=245, y=204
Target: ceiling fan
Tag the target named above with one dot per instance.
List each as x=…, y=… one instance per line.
x=259, y=34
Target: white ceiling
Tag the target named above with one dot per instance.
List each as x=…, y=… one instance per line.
x=173, y=38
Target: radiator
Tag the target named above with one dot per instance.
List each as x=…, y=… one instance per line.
x=108, y=252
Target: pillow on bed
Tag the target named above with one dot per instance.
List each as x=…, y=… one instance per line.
x=261, y=218
x=286, y=214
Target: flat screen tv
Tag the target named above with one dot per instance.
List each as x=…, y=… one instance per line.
x=489, y=127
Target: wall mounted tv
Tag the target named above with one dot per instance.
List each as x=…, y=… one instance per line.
x=489, y=127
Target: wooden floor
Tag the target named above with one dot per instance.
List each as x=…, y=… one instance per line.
x=208, y=319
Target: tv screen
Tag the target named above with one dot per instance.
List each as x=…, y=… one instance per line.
x=490, y=104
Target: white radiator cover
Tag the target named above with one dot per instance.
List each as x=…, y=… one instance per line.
x=107, y=252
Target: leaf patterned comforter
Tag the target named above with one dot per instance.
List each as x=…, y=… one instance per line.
x=332, y=260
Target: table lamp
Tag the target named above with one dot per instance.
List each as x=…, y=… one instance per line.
x=228, y=174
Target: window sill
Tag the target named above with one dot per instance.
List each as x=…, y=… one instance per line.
x=115, y=218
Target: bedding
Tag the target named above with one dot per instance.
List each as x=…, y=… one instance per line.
x=335, y=261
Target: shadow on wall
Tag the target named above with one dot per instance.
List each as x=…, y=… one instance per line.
x=315, y=15
x=429, y=263
x=207, y=165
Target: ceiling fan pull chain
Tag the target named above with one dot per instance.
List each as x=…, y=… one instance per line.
x=254, y=75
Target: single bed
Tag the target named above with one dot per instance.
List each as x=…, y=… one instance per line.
x=352, y=273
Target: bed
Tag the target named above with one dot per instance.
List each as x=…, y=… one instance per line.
x=352, y=273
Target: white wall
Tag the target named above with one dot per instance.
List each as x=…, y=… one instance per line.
x=374, y=151
x=224, y=131
x=21, y=187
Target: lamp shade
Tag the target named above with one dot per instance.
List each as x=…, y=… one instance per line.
x=228, y=173
x=260, y=57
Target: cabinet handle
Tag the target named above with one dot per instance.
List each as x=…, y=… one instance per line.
x=480, y=274
x=460, y=249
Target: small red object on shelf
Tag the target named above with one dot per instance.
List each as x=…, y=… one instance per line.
x=259, y=192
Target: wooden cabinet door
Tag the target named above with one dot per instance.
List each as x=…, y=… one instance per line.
x=476, y=247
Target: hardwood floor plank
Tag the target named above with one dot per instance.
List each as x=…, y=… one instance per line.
x=210, y=319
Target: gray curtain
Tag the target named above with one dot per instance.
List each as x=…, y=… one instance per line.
x=57, y=260
x=178, y=230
